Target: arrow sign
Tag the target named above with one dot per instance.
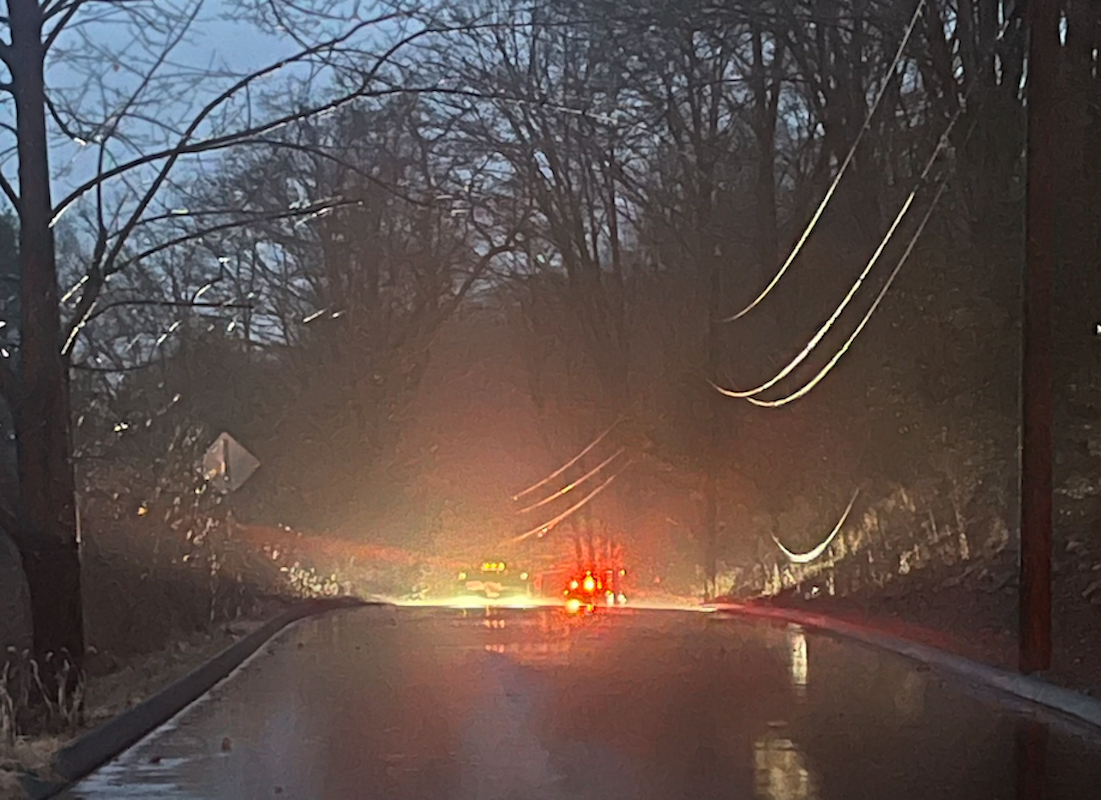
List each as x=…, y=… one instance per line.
x=227, y=464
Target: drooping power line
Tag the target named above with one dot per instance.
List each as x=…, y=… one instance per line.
x=813, y=553
x=825, y=328
x=569, y=487
x=548, y=526
x=960, y=108
x=840, y=172
x=568, y=464
x=808, y=387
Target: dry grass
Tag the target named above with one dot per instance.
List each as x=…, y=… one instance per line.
x=143, y=676
x=168, y=583
x=31, y=754
x=110, y=694
x=159, y=601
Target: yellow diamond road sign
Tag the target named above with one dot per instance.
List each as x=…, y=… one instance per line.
x=227, y=464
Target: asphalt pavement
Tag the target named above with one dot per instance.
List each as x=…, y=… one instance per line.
x=491, y=704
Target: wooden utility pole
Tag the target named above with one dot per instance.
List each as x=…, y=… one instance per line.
x=711, y=486
x=1034, y=637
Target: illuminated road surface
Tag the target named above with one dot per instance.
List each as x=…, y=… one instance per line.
x=526, y=705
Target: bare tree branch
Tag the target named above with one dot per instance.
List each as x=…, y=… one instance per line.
x=9, y=191
x=166, y=304
x=306, y=211
x=186, y=146
x=66, y=17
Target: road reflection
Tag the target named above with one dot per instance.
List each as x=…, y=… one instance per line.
x=413, y=704
x=1031, y=757
x=781, y=770
x=526, y=638
x=780, y=767
x=800, y=665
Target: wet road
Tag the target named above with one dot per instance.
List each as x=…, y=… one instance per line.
x=537, y=705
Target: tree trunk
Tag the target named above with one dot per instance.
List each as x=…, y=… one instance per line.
x=711, y=523
x=766, y=93
x=48, y=534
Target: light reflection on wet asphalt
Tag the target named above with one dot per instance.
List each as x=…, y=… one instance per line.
x=533, y=705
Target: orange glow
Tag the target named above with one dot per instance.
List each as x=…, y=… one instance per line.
x=573, y=605
x=590, y=584
x=574, y=584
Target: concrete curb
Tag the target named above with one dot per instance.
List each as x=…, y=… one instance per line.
x=99, y=745
x=1079, y=707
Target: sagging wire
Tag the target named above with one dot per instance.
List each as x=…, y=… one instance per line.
x=571, y=486
x=812, y=554
x=568, y=464
x=863, y=276
x=1003, y=28
x=840, y=172
x=547, y=527
x=783, y=401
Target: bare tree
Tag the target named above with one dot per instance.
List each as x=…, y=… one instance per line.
x=351, y=240
x=545, y=123
x=148, y=122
